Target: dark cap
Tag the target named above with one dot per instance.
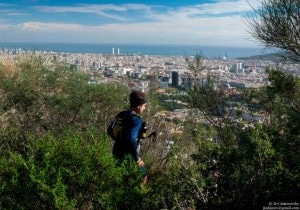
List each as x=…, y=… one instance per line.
x=137, y=98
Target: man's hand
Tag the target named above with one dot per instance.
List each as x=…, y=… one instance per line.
x=140, y=162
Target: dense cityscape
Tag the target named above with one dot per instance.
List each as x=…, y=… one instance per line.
x=170, y=70
x=136, y=71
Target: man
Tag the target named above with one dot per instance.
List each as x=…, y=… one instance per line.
x=132, y=125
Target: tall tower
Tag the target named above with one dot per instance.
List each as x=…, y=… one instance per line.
x=118, y=51
x=175, y=78
x=113, y=51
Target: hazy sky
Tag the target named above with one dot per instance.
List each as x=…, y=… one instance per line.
x=206, y=22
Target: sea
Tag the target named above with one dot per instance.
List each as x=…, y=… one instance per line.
x=138, y=49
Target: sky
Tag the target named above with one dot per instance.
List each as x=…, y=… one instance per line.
x=190, y=22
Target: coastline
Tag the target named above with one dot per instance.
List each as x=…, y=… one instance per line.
x=137, y=49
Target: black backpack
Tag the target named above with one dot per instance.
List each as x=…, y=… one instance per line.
x=115, y=127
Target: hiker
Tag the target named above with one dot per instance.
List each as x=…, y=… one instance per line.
x=128, y=143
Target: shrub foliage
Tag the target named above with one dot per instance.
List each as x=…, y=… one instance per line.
x=54, y=152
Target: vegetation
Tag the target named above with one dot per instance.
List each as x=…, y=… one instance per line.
x=276, y=23
x=55, y=154
x=36, y=99
x=172, y=101
x=67, y=172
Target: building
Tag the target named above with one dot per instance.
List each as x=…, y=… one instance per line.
x=237, y=68
x=175, y=78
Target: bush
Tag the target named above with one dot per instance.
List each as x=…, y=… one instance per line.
x=36, y=99
x=216, y=165
x=68, y=172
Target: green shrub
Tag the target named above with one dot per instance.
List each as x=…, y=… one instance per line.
x=68, y=172
x=37, y=99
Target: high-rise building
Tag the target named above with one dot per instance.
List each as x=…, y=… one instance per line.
x=118, y=51
x=237, y=68
x=113, y=51
x=175, y=78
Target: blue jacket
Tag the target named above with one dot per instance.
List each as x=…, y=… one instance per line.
x=132, y=125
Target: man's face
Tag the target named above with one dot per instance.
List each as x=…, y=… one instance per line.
x=141, y=108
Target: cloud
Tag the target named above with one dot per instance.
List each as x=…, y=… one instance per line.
x=226, y=7
x=203, y=31
x=6, y=12
x=152, y=12
x=219, y=23
x=9, y=10
x=117, y=12
x=39, y=27
x=93, y=8
x=4, y=26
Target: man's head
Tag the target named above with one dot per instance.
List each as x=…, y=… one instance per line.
x=138, y=101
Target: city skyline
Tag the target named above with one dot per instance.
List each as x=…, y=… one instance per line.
x=207, y=22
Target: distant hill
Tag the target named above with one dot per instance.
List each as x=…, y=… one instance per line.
x=271, y=56
x=275, y=57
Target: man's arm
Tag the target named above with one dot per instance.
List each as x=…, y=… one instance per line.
x=134, y=127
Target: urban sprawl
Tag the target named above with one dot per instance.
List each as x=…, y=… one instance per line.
x=136, y=71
